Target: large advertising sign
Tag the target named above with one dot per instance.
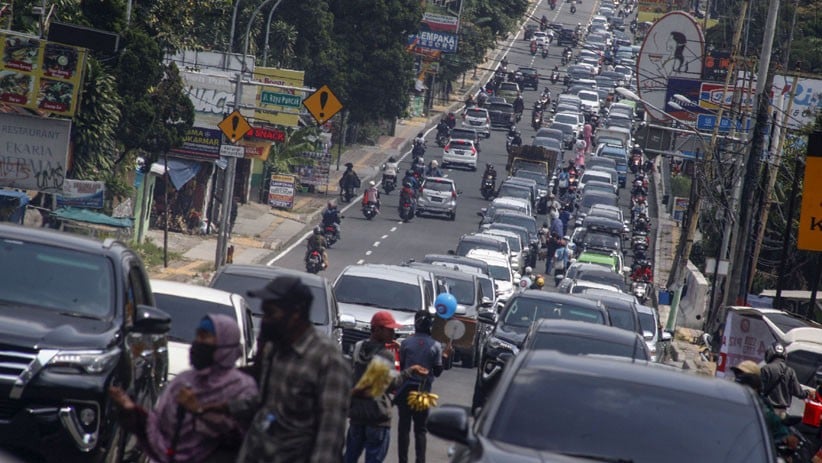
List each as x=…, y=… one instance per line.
x=40, y=75
x=672, y=48
x=82, y=193
x=280, y=106
x=744, y=338
x=807, y=101
x=33, y=152
x=439, y=29
x=281, y=191
x=200, y=143
x=810, y=215
x=212, y=94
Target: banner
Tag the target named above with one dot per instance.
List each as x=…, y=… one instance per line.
x=33, y=152
x=40, y=75
x=82, y=193
x=279, y=106
x=313, y=168
x=439, y=28
x=679, y=208
x=744, y=338
x=807, y=101
x=201, y=144
x=255, y=149
x=212, y=95
x=281, y=191
x=810, y=214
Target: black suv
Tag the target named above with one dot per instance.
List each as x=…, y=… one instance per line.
x=530, y=78
x=76, y=316
x=567, y=37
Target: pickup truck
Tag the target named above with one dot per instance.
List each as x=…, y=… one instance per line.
x=501, y=114
x=533, y=158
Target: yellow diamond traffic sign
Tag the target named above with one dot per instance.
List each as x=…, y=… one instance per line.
x=234, y=126
x=322, y=104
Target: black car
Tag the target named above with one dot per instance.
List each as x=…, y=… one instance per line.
x=77, y=316
x=551, y=407
x=501, y=114
x=621, y=308
x=566, y=38
x=530, y=78
x=577, y=338
x=513, y=323
x=603, y=224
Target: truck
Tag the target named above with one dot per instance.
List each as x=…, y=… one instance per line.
x=533, y=158
x=613, y=135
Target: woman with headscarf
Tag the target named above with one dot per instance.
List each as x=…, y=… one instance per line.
x=173, y=431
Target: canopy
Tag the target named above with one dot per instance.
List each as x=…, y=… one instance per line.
x=89, y=216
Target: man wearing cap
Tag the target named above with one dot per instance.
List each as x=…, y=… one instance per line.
x=370, y=417
x=299, y=414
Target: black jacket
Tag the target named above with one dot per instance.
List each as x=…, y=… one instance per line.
x=779, y=383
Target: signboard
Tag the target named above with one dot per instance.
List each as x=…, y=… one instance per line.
x=715, y=66
x=212, y=95
x=689, y=89
x=680, y=207
x=234, y=126
x=671, y=49
x=200, y=143
x=807, y=101
x=744, y=338
x=232, y=151
x=810, y=216
x=708, y=121
x=312, y=168
x=255, y=149
x=713, y=95
x=82, y=193
x=33, y=152
x=281, y=191
x=322, y=104
x=439, y=28
x=281, y=105
x=40, y=75
x=432, y=40
x=274, y=135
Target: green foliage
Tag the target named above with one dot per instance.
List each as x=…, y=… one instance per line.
x=284, y=155
x=151, y=254
x=680, y=186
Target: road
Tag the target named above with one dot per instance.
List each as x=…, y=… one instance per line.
x=387, y=240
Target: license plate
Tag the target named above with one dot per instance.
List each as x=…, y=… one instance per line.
x=436, y=200
x=459, y=152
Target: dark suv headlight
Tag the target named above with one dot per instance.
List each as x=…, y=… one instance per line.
x=91, y=362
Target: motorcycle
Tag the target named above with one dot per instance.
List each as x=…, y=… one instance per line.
x=544, y=52
x=636, y=164
x=406, y=210
x=566, y=57
x=640, y=290
x=533, y=48
x=330, y=234
x=418, y=151
x=314, y=263
x=442, y=139
x=573, y=9
x=348, y=193
x=510, y=142
x=553, y=4
x=488, y=187
x=389, y=183
x=536, y=120
x=554, y=76
x=369, y=211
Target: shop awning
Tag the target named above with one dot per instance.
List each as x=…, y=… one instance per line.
x=89, y=216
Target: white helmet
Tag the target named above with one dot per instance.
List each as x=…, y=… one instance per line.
x=372, y=183
x=434, y=163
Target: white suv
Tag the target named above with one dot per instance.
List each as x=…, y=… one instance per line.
x=477, y=119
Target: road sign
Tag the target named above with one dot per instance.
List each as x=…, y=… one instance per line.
x=707, y=122
x=810, y=216
x=234, y=126
x=232, y=151
x=281, y=99
x=322, y=104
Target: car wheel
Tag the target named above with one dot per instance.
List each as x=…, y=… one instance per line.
x=452, y=216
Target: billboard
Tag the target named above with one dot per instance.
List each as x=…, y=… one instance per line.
x=40, y=75
x=82, y=193
x=672, y=48
x=691, y=90
x=439, y=28
x=212, y=95
x=807, y=101
x=810, y=214
x=280, y=106
x=33, y=152
x=200, y=143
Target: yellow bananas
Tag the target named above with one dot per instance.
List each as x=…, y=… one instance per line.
x=377, y=377
x=420, y=401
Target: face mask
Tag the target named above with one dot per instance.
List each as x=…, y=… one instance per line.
x=201, y=355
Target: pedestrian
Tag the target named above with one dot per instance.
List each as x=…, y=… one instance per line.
x=176, y=430
x=779, y=381
x=418, y=349
x=587, y=133
x=299, y=414
x=369, y=428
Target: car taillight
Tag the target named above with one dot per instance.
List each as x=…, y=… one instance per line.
x=473, y=151
x=454, y=194
x=447, y=147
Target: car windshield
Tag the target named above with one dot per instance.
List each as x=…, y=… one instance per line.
x=589, y=200
x=805, y=364
x=785, y=322
x=541, y=179
x=72, y=282
x=437, y=186
x=466, y=245
x=463, y=290
x=504, y=107
x=565, y=128
x=523, y=233
x=566, y=119
x=647, y=323
x=513, y=242
x=378, y=292
x=498, y=272
x=463, y=134
x=240, y=284
x=471, y=112
x=460, y=144
x=487, y=288
x=526, y=222
x=187, y=312
x=604, y=212
x=621, y=317
x=599, y=186
x=508, y=87
x=523, y=310
x=588, y=96
x=602, y=240
x=584, y=345
x=514, y=192
x=572, y=408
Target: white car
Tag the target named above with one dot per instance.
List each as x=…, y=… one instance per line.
x=460, y=152
x=187, y=304
x=590, y=101
x=499, y=265
x=543, y=37
x=596, y=175
x=575, y=119
x=477, y=119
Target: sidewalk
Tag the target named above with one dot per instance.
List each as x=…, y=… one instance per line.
x=261, y=232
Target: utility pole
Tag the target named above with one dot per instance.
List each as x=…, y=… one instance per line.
x=739, y=274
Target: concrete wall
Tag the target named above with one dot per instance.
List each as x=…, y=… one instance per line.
x=694, y=302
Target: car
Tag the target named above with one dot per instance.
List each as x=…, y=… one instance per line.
x=77, y=316
x=619, y=401
x=602, y=187
x=604, y=210
x=598, y=161
x=509, y=90
x=499, y=264
x=526, y=182
x=545, y=142
x=569, y=137
x=513, y=204
x=438, y=195
x=614, y=174
x=581, y=71
x=514, y=321
x=652, y=330
x=513, y=257
x=471, y=241
x=590, y=101
x=572, y=119
x=542, y=38
x=515, y=190
x=323, y=313
x=468, y=265
x=187, y=304
x=545, y=132
x=529, y=31
x=593, y=273
x=580, y=287
x=524, y=235
x=572, y=100
x=501, y=114
x=611, y=261
x=514, y=244
x=362, y=290
x=597, y=175
x=566, y=38
x=621, y=122
x=540, y=179
x=465, y=133
x=477, y=119
x=579, y=338
x=620, y=157
x=460, y=152
x=527, y=222
x=621, y=310
x=530, y=76
x=594, y=222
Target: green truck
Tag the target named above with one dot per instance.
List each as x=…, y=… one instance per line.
x=533, y=158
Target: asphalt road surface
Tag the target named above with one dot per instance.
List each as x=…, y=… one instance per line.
x=387, y=240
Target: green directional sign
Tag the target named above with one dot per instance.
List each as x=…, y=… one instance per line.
x=280, y=99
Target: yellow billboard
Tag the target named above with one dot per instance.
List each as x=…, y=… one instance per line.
x=40, y=75
x=280, y=106
x=810, y=216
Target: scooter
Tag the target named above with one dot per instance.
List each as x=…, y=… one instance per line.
x=348, y=193
x=573, y=9
x=314, y=263
x=369, y=211
x=488, y=187
x=442, y=139
x=536, y=120
x=554, y=76
x=640, y=290
x=330, y=234
x=406, y=210
x=544, y=52
x=389, y=183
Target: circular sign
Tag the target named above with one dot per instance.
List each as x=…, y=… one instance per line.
x=454, y=329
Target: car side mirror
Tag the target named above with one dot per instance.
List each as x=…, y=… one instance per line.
x=626, y=269
x=506, y=357
x=649, y=336
x=348, y=321
x=489, y=317
x=451, y=422
x=151, y=320
x=667, y=336
x=487, y=303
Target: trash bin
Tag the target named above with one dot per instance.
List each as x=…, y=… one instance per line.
x=664, y=297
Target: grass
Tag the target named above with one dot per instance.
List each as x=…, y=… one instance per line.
x=151, y=254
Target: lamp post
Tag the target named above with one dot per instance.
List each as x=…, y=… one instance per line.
x=267, y=32
x=231, y=169
x=233, y=25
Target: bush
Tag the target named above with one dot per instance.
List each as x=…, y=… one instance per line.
x=681, y=186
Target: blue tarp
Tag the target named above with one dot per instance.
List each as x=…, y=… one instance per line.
x=19, y=215
x=89, y=216
x=180, y=171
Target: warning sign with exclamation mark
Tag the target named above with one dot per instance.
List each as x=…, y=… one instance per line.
x=322, y=104
x=234, y=126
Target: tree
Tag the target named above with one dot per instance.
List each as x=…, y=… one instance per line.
x=286, y=154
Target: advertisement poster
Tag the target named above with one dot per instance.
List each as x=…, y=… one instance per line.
x=255, y=149
x=679, y=208
x=745, y=338
x=34, y=152
x=807, y=99
x=279, y=106
x=439, y=28
x=281, y=191
x=82, y=193
x=313, y=168
x=40, y=75
x=201, y=144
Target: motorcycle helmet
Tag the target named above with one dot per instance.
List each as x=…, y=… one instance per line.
x=349, y=165
x=372, y=183
x=434, y=163
x=528, y=270
x=539, y=281
x=318, y=230
x=331, y=204
x=419, y=135
x=776, y=350
x=409, y=173
x=423, y=321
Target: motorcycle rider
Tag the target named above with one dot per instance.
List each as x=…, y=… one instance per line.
x=749, y=374
x=451, y=120
x=389, y=169
x=533, y=46
x=543, y=23
x=419, y=140
x=371, y=196
x=642, y=272
x=519, y=105
x=490, y=170
x=538, y=283
x=331, y=218
x=349, y=179
x=419, y=169
x=316, y=242
x=469, y=101
x=779, y=381
x=433, y=169
x=408, y=193
x=411, y=180
x=443, y=130
x=514, y=135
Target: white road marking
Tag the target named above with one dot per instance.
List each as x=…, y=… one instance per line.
x=361, y=261
x=384, y=237
x=368, y=253
x=376, y=244
x=393, y=229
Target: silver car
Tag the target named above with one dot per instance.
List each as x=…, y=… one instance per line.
x=477, y=119
x=438, y=196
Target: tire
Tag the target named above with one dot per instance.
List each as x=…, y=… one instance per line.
x=452, y=216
